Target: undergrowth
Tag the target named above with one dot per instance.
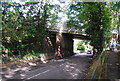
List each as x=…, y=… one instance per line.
x=29, y=56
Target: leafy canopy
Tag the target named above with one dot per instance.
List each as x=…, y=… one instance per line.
x=96, y=18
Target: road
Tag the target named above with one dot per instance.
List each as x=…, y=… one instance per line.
x=73, y=67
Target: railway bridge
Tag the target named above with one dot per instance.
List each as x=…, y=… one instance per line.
x=64, y=40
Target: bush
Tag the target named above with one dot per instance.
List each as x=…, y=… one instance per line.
x=80, y=47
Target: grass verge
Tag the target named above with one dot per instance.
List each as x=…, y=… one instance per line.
x=98, y=70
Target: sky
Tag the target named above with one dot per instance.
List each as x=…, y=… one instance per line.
x=63, y=16
x=60, y=0
x=62, y=5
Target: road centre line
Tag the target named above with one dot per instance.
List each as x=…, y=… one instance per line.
x=37, y=75
x=41, y=73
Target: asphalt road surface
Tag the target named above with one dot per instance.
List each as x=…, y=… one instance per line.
x=73, y=67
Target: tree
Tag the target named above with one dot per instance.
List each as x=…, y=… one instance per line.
x=96, y=17
x=24, y=26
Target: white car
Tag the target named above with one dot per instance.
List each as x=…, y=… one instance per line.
x=89, y=51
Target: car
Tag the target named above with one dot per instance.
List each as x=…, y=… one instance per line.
x=89, y=52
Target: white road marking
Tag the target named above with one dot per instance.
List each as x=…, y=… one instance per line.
x=37, y=74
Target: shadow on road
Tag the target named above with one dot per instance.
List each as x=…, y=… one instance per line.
x=73, y=67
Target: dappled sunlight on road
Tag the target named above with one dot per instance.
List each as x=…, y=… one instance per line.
x=82, y=54
x=73, y=67
x=13, y=72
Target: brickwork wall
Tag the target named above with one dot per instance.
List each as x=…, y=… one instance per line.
x=49, y=46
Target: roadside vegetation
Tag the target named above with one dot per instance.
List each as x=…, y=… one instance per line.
x=98, y=68
x=25, y=26
x=96, y=19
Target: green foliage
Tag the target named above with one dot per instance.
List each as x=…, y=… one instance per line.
x=29, y=56
x=24, y=27
x=80, y=42
x=80, y=47
x=97, y=20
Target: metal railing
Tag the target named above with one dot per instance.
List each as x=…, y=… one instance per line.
x=97, y=69
x=93, y=73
